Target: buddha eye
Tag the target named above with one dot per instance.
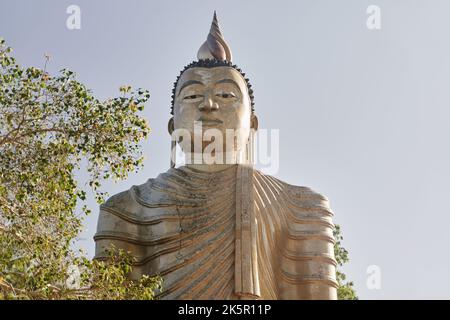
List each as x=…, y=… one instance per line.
x=226, y=95
x=192, y=97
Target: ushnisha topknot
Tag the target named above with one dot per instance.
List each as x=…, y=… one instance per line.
x=214, y=52
x=215, y=46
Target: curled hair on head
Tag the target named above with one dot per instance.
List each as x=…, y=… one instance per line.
x=211, y=63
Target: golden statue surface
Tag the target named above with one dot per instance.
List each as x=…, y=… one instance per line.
x=222, y=231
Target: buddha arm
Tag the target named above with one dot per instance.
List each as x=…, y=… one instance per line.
x=117, y=228
x=309, y=268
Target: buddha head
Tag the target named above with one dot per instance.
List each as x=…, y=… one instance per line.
x=211, y=98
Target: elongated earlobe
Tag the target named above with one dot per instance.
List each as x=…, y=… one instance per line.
x=170, y=126
x=173, y=143
x=254, y=122
x=250, y=152
x=173, y=153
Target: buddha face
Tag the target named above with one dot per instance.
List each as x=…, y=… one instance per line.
x=217, y=98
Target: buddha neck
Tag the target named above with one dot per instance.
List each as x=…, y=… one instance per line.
x=209, y=167
x=230, y=160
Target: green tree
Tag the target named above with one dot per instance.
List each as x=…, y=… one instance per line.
x=49, y=127
x=345, y=289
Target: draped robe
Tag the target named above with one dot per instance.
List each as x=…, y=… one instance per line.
x=232, y=234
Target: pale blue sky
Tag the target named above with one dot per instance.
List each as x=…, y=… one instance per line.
x=363, y=115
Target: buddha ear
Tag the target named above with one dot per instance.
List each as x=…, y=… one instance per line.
x=171, y=126
x=254, y=122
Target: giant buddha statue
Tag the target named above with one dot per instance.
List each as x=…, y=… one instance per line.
x=221, y=229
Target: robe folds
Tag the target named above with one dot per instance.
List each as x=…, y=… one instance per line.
x=232, y=234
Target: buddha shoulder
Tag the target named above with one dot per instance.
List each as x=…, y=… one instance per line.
x=311, y=217
x=141, y=204
x=300, y=198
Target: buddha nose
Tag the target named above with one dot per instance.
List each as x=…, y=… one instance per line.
x=208, y=104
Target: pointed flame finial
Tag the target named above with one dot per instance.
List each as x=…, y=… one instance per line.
x=215, y=46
